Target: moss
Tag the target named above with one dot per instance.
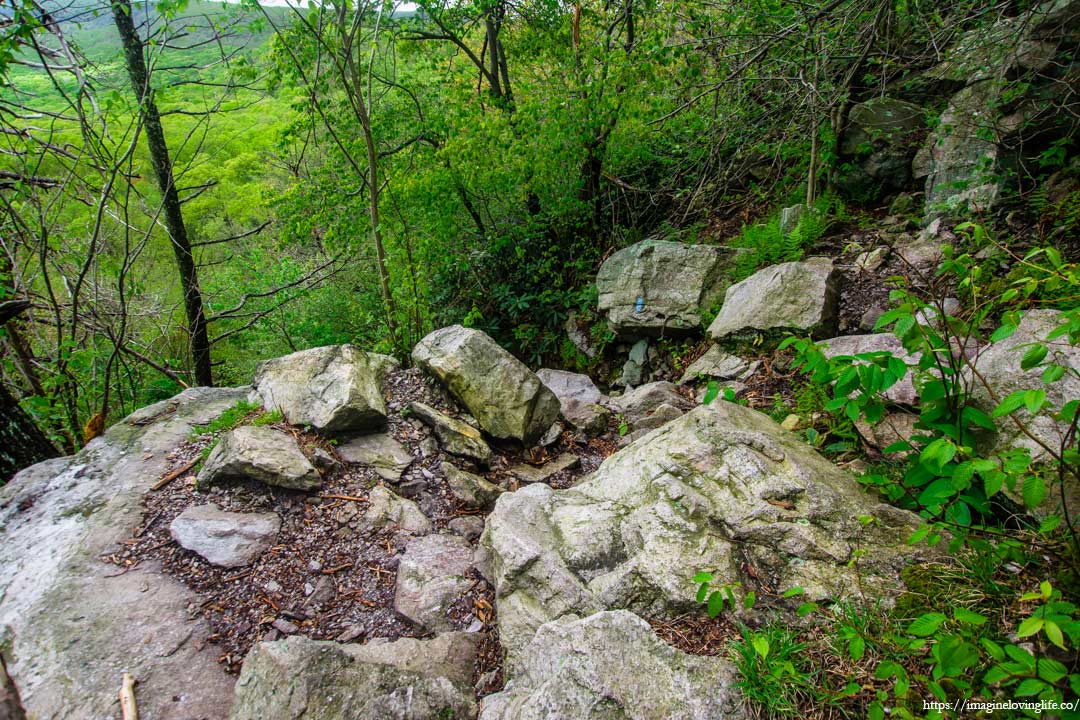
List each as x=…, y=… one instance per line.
x=919, y=581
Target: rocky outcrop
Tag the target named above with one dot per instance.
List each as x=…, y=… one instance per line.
x=381, y=452
x=432, y=576
x=879, y=144
x=456, y=436
x=319, y=680
x=259, y=453
x=612, y=665
x=504, y=396
x=998, y=367
x=658, y=287
x=226, y=539
x=579, y=399
x=333, y=389
x=69, y=622
x=799, y=296
x=722, y=489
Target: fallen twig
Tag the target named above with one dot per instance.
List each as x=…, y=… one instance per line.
x=174, y=474
x=128, y=708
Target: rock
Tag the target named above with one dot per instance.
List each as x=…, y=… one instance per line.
x=333, y=389
x=432, y=575
x=260, y=453
x=799, y=296
x=469, y=527
x=871, y=260
x=902, y=204
x=579, y=399
x=225, y=539
x=892, y=428
x=612, y=665
x=285, y=627
x=325, y=680
x=694, y=495
x=71, y=622
x=470, y=489
x=868, y=321
x=792, y=423
x=387, y=456
x=504, y=396
x=928, y=316
x=790, y=217
x=657, y=287
x=903, y=392
x=579, y=338
x=716, y=363
x=662, y=415
x=386, y=509
x=640, y=403
x=532, y=474
x=456, y=437
x=999, y=366
x=877, y=145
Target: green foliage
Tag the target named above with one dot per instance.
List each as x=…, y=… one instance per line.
x=724, y=595
x=231, y=418
x=777, y=676
x=764, y=244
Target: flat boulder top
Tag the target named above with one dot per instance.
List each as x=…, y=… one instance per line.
x=333, y=389
x=799, y=296
x=71, y=623
x=505, y=396
x=658, y=286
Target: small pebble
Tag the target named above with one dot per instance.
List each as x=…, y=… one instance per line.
x=285, y=627
x=308, y=588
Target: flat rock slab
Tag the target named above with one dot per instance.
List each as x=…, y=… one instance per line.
x=387, y=508
x=656, y=286
x=799, y=296
x=612, y=665
x=384, y=454
x=260, y=453
x=324, y=680
x=225, y=539
x=716, y=363
x=504, y=395
x=71, y=623
x=642, y=402
x=432, y=576
x=456, y=436
x=471, y=489
x=531, y=474
x=333, y=389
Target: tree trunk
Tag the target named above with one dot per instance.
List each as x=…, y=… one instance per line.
x=170, y=199
x=21, y=441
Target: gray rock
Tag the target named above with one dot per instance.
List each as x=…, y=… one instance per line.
x=578, y=338
x=868, y=321
x=469, y=527
x=892, y=428
x=716, y=363
x=260, y=453
x=432, y=576
x=225, y=539
x=71, y=623
x=871, y=260
x=662, y=415
x=903, y=392
x=579, y=399
x=456, y=437
x=642, y=402
x=387, y=456
x=999, y=366
x=633, y=370
x=332, y=389
x=321, y=680
x=470, y=489
x=928, y=316
x=692, y=495
x=877, y=145
x=790, y=217
x=387, y=509
x=531, y=474
x=798, y=296
x=504, y=396
x=612, y=665
x=659, y=287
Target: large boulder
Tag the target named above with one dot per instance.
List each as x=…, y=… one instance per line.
x=70, y=623
x=321, y=680
x=612, y=665
x=722, y=489
x=432, y=575
x=658, y=287
x=799, y=296
x=504, y=396
x=999, y=374
x=261, y=453
x=878, y=145
x=333, y=389
x=225, y=539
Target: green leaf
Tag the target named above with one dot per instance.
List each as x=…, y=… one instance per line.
x=993, y=649
x=1029, y=687
x=1029, y=627
x=715, y=605
x=1034, y=491
x=938, y=453
x=1052, y=373
x=1053, y=632
x=1051, y=670
x=1033, y=356
x=793, y=592
x=702, y=592
x=703, y=577
x=711, y=392
x=761, y=646
x=856, y=648
x=1034, y=399
x=926, y=624
x=1010, y=404
x=968, y=617
x=749, y=600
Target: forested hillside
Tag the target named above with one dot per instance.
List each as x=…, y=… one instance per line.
x=860, y=218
